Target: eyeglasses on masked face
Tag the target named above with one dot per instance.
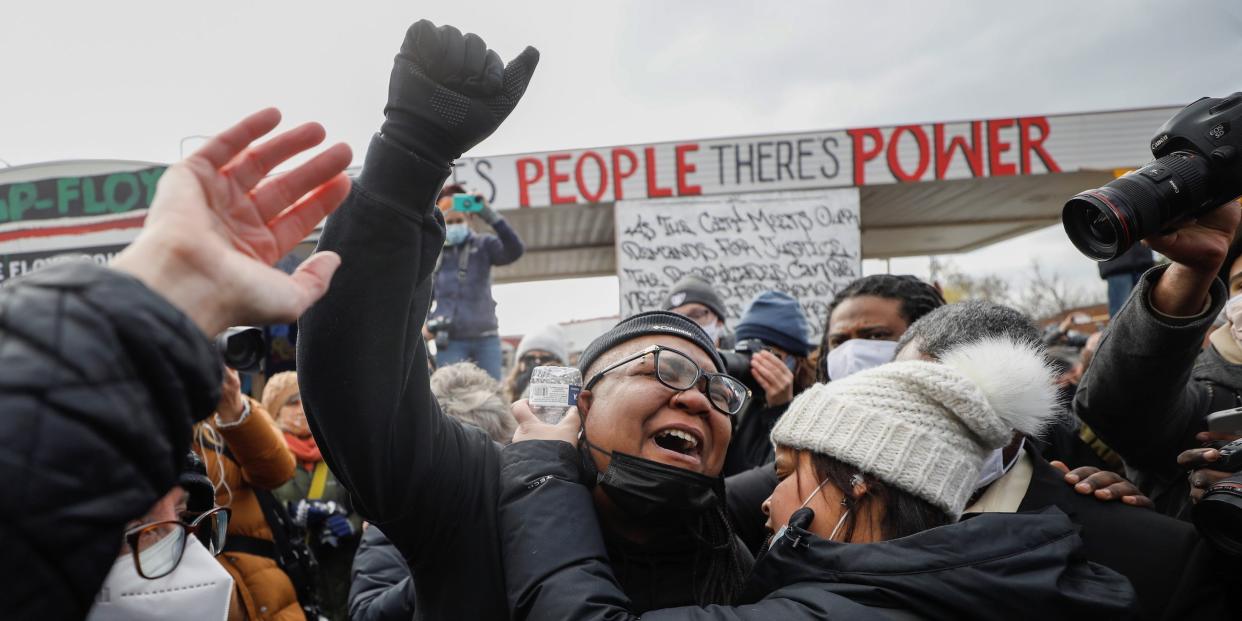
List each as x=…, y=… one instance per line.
x=157, y=547
x=679, y=372
x=538, y=360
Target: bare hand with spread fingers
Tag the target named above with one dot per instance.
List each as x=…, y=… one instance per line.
x=216, y=226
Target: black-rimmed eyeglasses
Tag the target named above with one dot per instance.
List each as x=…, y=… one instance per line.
x=679, y=372
x=157, y=547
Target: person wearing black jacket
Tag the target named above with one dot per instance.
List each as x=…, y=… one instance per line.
x=431, y=482
x=1139, y=543
x=107, y=369
x=1152, y=383
x=866, y=506
x=778, y=373
x=382, y=588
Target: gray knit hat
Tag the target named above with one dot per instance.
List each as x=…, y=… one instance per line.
x=927, y=427
x=550, y=338
x=694, y=289
x=646, y=324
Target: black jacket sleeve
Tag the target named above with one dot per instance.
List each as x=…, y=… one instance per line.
x=381, y=588
x=102, y=380
x=1138, y=395
x=426, y=479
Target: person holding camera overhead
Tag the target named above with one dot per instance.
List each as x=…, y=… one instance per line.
x=463, y=317
x=773, y=333
x=1151, y=384
x=245, y=459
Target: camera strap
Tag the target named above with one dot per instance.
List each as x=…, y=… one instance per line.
x=463, y=261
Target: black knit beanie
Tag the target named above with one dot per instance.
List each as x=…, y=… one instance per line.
x=646, y=324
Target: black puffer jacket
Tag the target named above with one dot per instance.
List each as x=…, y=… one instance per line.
x=993, y=566
x=102, y=380
x=1150, y=388
x=381, y=588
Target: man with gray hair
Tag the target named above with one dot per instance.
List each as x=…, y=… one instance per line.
x=1138, y=543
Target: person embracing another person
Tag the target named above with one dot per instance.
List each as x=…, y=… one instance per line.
x=875, y=471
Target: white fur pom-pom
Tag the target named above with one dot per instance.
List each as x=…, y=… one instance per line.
x=1016, y=378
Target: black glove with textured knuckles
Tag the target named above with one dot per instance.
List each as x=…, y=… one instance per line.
x=448, y=91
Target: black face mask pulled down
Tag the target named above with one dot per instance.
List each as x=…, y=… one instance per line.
x=652, y=492
x=666, y=497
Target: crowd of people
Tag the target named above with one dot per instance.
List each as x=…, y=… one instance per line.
x=922, y=460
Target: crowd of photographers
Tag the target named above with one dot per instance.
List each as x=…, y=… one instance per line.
x=923, y=460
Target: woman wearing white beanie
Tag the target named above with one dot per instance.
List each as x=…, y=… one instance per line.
x=886, y=457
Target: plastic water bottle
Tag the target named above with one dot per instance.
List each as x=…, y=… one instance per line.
x=552, y=391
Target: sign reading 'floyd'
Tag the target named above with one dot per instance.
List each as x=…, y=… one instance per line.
x=97, y=215
x=804, y=243
x=74, y=197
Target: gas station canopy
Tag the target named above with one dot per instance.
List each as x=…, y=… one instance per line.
x=931, y=188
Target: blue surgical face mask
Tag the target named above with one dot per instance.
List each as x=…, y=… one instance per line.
x=857, y=355
x=455, y=234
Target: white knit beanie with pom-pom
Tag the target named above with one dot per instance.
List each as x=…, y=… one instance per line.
x=927, y=427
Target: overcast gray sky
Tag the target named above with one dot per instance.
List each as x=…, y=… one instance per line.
x=130, y=79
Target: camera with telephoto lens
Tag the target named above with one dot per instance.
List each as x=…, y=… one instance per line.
x=1218, y=515
x=1198, y=167
x=737, y=364
x=242, y=348
x=440, y=327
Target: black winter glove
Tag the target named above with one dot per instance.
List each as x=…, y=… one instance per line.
x=448, y=91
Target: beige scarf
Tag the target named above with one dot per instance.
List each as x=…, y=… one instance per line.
x=1224, y=342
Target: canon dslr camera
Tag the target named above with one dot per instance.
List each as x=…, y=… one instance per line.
x=737, y=364
x=1218, y=515
x=1198, y=167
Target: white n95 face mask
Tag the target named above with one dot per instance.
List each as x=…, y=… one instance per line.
x=1233, y=313
x=857, y=355
x=713, y=332
x=198, y=588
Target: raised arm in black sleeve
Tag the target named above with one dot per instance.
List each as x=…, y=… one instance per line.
x=428, y=481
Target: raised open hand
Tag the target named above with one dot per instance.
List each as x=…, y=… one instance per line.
x=216, y=227
x=448, y=92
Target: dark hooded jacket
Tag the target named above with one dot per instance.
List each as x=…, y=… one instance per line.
x=381, y=588
x=102, y=380
x=429, y=481
x=1150, y=388
x=992, y=566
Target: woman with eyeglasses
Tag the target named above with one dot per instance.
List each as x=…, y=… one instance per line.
x=166, y=568
x=875, y=471
x=245, y=456
x=543, y=347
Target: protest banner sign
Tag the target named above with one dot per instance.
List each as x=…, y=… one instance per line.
x=804, y=243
